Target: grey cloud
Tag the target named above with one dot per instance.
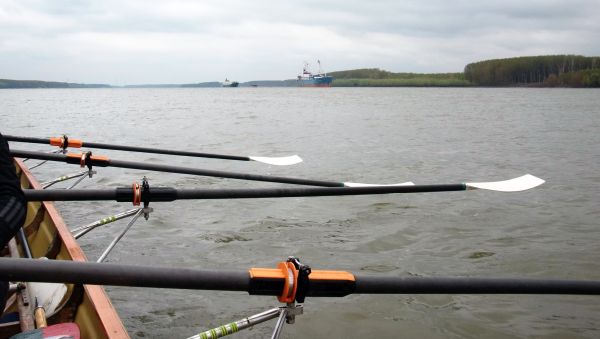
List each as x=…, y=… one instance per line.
x=417, y=36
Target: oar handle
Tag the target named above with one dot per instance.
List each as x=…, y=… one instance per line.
x=27, y=139
x=122, y=275
x=40, y=316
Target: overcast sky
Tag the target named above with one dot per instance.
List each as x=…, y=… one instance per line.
x=122, y=42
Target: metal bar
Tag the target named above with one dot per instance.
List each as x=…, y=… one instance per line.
x=24, y=243
x=239, y=325
x=89, y=172
x=43, y=162
x=37, y=165
x=116, y=240
x=279, y=324
x=25, y=308
x=82, y=230
x=49, y=183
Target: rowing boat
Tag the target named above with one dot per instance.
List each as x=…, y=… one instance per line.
x=87, y=306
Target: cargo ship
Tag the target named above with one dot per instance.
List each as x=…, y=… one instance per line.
x=228, y=83
x=308, y=79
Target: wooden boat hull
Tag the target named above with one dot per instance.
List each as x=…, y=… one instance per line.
x=86, y=305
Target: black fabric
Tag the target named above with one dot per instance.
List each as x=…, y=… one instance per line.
x=12, y=206
x=12, y=199
x=9, y=183
x=3, y=295
x=12, y=217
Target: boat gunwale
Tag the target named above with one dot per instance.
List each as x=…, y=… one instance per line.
x=103, y=307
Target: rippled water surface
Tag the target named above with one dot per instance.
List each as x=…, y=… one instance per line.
x=427, y=136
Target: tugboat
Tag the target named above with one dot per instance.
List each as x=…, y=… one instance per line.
x=228, y=83
x=307, y=79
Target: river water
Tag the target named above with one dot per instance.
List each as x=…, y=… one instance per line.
x=424, y=135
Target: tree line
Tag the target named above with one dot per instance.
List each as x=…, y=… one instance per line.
x=6, y=83
x=547, y=70
x=375, y=77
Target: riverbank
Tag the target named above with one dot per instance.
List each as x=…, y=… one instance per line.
x=532, y=71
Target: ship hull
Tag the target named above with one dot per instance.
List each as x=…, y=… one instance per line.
x=317, y=82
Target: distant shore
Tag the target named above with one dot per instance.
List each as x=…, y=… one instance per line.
x=572, y=71
x=6, y=83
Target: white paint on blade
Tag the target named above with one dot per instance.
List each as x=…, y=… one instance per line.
x=521, y=183
x=278, y=161
x=358, y=184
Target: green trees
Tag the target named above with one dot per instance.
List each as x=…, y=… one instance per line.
x=6, y=83
x=374, y=77
x=591, y=78
x=547, y=70
x=532, y=71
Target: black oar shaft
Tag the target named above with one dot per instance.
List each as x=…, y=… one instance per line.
x=73, y=195
x=46, y=156
x=157, y=194
x=430, y=285
x=174, y=169
x=240, y=280
x=163, y=151
x=311, y=191
x=133, y=148
x=27, y=139
x=221, y=174
x=122, y=275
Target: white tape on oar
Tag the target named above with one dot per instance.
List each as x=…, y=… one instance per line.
x=358, y=184
x=522, y=183
x=278, y=161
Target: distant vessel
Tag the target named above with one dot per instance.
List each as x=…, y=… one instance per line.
x=228, y=83
x=321, y=79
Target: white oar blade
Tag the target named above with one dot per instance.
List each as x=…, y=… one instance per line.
x=278, y=161
x=358, y=184
x=522, y=183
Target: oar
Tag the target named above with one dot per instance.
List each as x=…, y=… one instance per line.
x=76, y=143
x=100, y=161
x=269, y=281
x=123, y=194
